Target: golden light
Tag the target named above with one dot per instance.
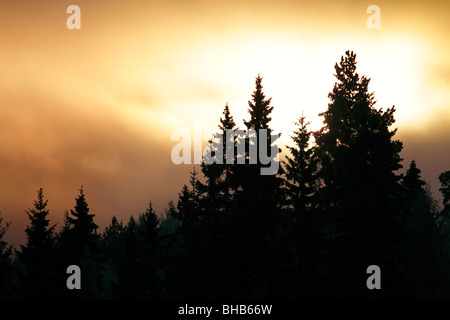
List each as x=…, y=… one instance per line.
x=298, y=75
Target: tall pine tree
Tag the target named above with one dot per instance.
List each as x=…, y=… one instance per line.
x=80, y=245
x=419, y=250
x=359, y=160
x=37, y=255
x=258, y=198
x=301, y=171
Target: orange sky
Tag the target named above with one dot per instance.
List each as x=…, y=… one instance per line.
x=97, y=106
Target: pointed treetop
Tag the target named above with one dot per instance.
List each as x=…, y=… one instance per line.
x=412, y=178
x=227, y=122
x=259, y=108
x=193, y=180
x=444, y=179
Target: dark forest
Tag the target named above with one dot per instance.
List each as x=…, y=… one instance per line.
x=337, y=205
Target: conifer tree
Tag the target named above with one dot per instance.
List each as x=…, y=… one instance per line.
x=443, y=218
x=148, y=226
x=228, y=183
x=37, y=255
x=359, y=160
x=215, y=207
x=80, y=245
x=219, y=187
x=419, y=248
x=412, y=181
x=301, y=170
x=257, y=203
x=296, y=249
x=443, y=222
x=262, y=189
x=444, y=179
x=111, y=236
x=148, y=250
x=259, y=108
x=5, y=263
x=112, y=250
x=128, y=274
x=83, y=228
x=188, y=211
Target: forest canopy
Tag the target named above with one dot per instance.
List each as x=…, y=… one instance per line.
x=337, y=205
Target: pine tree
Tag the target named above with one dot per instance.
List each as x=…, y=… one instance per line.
x=443, y=222
x=419, y=245
x=296, y=248
x=228, y=183
x=112, y=250
x=148, y=249
x=148, y=226
x=359, y=160
x=83, y=227
x=356, y=143
x=188, y=211
x=444, y=179
x=412, y=181
x=5, y=263
x=301, y=170
x=210, y=206
x=80, y=246
x=259, y=108
x=257, y=202
x=263, y=189
x=111, y=236
x=443, y=218
x=217, y=191
x=128, y=275
x=37, y=256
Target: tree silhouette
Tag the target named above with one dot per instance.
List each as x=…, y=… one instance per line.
x=444, y=179
x=443, y=221
x=218, y=189
x=6, y=267
x=419, y=249
x=336, y=206
x=80, y=245
x=129, y=273
x=296, y=247
x=37, y=255
x=301, y=171
x=112, y=250
x=83, y=227
x=188, y=211
x=359, y=160
x=412, y=180
x=148, y=251
x=257, y=199
x=259, y=108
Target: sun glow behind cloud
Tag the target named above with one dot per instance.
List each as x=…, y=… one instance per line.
x=298, y=75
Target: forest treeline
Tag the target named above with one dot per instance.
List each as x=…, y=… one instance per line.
x=337, y=205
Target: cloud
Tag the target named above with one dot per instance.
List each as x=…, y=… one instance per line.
x=51, y=144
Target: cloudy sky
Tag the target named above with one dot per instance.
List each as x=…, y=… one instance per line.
x=97, y=106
